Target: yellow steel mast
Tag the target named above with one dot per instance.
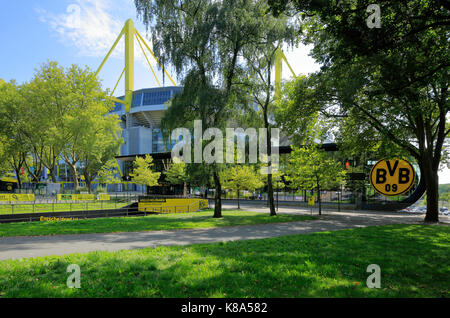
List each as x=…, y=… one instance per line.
x=129, y=32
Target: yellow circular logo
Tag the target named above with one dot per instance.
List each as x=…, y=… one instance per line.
x=392, y=177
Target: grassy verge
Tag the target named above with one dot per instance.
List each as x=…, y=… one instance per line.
x=413, y=261
x=148, y=223
x=60, y=207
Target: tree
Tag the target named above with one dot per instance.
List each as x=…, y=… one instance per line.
x=107, y=173
x=394, y=77
x=100, y=148
x=204, y=41
x=48, y=97
x=142, y=172
x=241, y=177
x=4, y=166
x=312, y=168
x=14, y=144
x=261, y=58
x=81, y=118
x=176, y=174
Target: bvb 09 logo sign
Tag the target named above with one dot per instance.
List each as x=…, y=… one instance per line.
x=392, y=177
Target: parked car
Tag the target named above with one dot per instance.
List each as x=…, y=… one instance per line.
x=422, y=209
x=444, y=210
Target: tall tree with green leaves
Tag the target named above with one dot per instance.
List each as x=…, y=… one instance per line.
x=204, y=42
x=394, y=77
x=100, y=147
x=143, y=173
x=14, y=146
x=260, y=58
x=82, y=117
x=241, y=177
x=312, y=168
x=48, y=97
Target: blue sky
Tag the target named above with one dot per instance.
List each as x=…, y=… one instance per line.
x=81, y=32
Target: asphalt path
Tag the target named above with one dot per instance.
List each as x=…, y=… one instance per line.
x=36, y=246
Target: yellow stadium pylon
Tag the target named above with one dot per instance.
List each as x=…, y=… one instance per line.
x=130, y=33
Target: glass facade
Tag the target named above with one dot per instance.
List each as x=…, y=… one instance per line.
x=137, y=100
x=156, y=98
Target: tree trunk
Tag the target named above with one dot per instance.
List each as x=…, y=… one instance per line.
x=217, y=196
x=75, y=176
x=19, y=180
x=53, y=175
x=88, y=184
x=270, y=194
x=239, y=204
x=432, y=185
x=320, y=201
x=184, y=190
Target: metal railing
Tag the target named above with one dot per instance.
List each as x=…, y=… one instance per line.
x=193, y=207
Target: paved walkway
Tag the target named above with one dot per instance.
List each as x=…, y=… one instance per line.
x=22, y=247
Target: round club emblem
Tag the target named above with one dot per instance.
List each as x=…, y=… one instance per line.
x=392, y=177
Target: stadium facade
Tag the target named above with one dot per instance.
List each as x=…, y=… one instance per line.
x=142, y=125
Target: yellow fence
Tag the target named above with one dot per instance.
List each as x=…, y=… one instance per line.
x=104, y=197
x=16, y=197
x=171, y=205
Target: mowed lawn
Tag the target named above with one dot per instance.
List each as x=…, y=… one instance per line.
x=60, y=207
x=414, y=262
x=202, y=219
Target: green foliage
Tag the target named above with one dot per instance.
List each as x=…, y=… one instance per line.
x=14, y=145
x=241, y=177
x=142, y=172
x=205, y=42
x=312, y=168
x=60, y=113
x=392, y=80
x=107, y=173
x=177, y=173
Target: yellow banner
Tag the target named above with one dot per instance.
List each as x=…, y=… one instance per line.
x=172, y=205
x=311, y=200
x=83, y=197
x=16, y=197
x=75, y=197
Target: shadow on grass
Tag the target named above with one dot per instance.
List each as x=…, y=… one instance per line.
x=413, y=261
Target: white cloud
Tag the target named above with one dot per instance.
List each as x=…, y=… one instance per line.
x=86, y=25
x=92, y=26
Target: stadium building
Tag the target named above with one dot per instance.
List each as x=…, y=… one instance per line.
x=141, y=126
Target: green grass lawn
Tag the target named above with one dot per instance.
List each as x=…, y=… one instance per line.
x=60, y=207
x=413, y=261
x=201, y=219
